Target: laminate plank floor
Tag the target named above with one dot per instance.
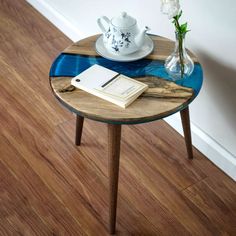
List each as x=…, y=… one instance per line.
x=48, y=186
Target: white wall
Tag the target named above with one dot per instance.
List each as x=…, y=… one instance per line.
x=212, y=38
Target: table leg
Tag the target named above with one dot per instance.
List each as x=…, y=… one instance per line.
x=187, y=131
x=78, y=129
x=114, y=136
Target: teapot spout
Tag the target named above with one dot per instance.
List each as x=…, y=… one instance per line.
x=139, y=39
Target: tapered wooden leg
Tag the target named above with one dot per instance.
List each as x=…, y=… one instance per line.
x=114, y=136
x=78, y=129
x=187, y=131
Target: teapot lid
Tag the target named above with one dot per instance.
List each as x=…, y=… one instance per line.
x=123, y=20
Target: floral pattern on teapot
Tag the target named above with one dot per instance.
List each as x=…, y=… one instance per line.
x=120, y=40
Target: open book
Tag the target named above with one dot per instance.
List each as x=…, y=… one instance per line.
x=109, y=85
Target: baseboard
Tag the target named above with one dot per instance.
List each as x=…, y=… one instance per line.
x=203, y=142
x=60, y=21
x=222, y=158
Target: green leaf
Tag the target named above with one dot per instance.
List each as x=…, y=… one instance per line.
x=183, y=27
x=179, y=15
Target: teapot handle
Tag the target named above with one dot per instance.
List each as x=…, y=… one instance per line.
x=100, y=24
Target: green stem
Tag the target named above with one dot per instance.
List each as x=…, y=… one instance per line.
x=181, y=56
x=180, y=36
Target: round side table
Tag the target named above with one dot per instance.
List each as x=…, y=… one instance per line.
x=162, y=99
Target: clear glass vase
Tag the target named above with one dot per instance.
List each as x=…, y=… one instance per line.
x=179, y=65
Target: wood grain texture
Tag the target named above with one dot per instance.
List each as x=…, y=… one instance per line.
x=114, y=137
x=163, y=47
x=48, y=186
x=78, y=129
x=161, y=99
x=184, y=114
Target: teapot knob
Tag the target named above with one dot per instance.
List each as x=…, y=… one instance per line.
x=123, y=14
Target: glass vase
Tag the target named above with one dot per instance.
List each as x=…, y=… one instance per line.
x=179, y=64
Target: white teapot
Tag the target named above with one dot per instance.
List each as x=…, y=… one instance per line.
x=121, y=35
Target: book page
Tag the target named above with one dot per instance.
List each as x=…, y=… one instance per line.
x=94, y=77
x=122, y=87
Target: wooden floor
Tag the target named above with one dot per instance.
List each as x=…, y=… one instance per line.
x=48, y=186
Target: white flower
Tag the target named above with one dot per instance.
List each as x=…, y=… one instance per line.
x=170, y=7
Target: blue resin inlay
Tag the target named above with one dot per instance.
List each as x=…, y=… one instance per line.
x=70, y=65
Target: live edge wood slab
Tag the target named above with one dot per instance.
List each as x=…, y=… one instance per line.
x=160, y=100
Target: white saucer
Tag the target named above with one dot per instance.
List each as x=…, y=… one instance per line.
x=145, y=50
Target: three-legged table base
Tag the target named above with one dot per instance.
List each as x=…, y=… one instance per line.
x=114, y=137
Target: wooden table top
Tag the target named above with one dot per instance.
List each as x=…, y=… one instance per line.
x=162, y=98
